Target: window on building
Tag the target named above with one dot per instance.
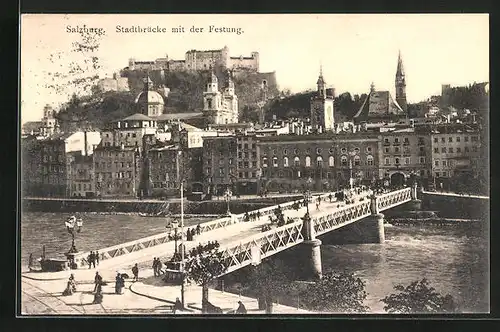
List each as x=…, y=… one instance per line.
x=239, y=146
x=386, y=141
x=240, y=174
x=436, y=150
x=254, y=164
x=295, y=151
x=331, y=161
x=285, y=152
x=245, y=164
x=369, y=160
x=343, y=161
x=458, y=139
x=296, y=161
x=386, y=150
x=285, y=161
x=369, y=149
x=450, y=150
x=274, y=151
x=343, y=150
x=443, y=140
x=445, y=174
x=387, y=161
x=422, y=160
x=280, y=174
x=396, y=149
x=459, y=150
x=396, y=140
x=356, y=150
x=308, y=161
x=466, y=138
x=209, y=103
x=264, y=162
x=435, y=139
x=318, y=150
x=275, y=162
x=450, y=139
x=396, y=160
x=221, y=171
x=319, y=161
x=406, y=140
x=330, y=150
x=421, y=149
x=357, y=161
x=437, y=174
x=436, y=163
x=245, y=146
x=443, y=150
x=474, y=138
x=253, y=145
x=466, y=149
x=407, y=160
x=254, y=174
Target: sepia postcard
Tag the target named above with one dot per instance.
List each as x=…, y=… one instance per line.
x=248, y=164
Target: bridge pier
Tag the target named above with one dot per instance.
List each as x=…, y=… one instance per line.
x=312, y=255
x=311, y=251
x=373, y=228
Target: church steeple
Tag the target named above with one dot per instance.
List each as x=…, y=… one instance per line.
x=400, y=83
x=321, y=83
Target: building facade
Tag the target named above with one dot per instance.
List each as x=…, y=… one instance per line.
x=117, y=171
x=82, y=178
x=219, y=164
x=48, y=162
x=317, y=162
x=456, y=150
x=405, y=155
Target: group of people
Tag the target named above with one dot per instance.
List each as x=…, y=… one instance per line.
x=252, y=216
x=93, y=258
x=204, y=248
x=119, y=283
x=157, y=267
x=191, y=232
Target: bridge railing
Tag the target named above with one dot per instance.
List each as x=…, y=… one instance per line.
x=259, y=246
x=393, y=198
x=342, y=216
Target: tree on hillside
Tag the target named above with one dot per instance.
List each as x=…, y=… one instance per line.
x=335, y=293
x=76, y=71
x=418, y=297
x=269, y=280
x=204, y=266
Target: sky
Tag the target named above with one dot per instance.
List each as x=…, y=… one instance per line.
x=353, y=50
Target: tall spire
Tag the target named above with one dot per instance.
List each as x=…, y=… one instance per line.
x=400, y=70
x=372, y=87
x=321, y=80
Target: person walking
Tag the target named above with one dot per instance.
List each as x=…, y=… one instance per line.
x=89, y=259
x=198, y=230
x=241, y=308
x=135, y=271
x=155, y=267
x=97, y=257
x=97, y=281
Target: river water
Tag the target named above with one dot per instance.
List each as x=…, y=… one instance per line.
x=453, y=258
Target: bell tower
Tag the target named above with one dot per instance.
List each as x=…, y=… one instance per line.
x=401, y=84
x=322, y=118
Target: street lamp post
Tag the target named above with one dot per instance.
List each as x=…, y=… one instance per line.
x=308, y=194
x=228, y=197
x=175, y=226
x=181, y=181
x=73, y=226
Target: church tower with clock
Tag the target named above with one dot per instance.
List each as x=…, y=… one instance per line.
x=322, y=113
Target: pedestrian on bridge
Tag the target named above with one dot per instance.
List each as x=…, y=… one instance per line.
x=97, y=257
x=135, y=271
x=330, y=197
x=155, y=267
x=241, y=308
x=198, y=230
x=97, y=281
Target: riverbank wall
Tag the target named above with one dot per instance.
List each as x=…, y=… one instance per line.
x=150, y=207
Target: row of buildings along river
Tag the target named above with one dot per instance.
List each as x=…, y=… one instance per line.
x=146, y=154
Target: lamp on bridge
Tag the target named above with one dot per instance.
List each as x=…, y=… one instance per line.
x=227, y=196
x=307, y=196
x=73, y=225
x=175, y=226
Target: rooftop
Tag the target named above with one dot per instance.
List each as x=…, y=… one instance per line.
x=138, y=117
x=379, y=104
x=176, y=116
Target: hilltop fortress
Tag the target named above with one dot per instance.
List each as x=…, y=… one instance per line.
x=200, y=60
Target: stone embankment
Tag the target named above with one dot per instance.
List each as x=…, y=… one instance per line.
x=151, y=207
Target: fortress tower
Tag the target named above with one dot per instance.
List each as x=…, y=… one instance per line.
x=401, y=85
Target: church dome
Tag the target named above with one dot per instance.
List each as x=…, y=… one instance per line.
x=149, y=97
